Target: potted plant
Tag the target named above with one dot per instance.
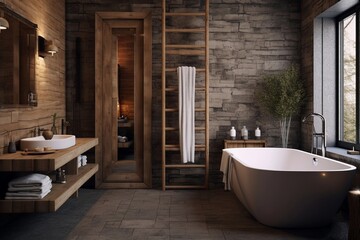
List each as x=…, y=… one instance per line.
x=283, y=95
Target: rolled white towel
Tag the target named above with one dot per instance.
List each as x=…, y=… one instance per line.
x=31, y=180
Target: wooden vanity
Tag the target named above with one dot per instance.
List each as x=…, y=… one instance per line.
x=47, y=164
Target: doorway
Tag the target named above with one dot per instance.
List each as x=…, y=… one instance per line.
x=123, y=45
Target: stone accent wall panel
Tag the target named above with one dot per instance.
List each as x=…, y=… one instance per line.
x=248, y=39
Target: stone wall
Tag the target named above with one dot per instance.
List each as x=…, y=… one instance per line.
x=248, y=39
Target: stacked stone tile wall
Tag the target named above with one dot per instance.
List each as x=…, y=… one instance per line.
x=248, y=39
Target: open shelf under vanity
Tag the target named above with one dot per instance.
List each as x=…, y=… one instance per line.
x=47, y=164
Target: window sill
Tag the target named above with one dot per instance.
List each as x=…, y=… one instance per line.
x=341, y=155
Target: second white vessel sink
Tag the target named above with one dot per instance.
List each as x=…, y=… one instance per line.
x=57, y=142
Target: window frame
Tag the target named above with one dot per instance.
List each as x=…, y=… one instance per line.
x=339, y=80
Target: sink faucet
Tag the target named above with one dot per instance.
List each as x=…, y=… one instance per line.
x=316, y=135
x=64, y=125
x=38, y=131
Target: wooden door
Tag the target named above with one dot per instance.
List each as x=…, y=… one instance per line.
x=107, y=29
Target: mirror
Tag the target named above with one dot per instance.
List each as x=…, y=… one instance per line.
x=17, y=56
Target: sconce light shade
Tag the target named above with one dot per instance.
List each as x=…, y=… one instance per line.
x=51, y=48
x=4, y=24
x=46, y=47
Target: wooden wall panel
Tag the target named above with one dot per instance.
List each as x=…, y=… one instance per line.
x=17, y=123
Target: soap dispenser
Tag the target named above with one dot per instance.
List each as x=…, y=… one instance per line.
x=12, y=147
x=232, y=133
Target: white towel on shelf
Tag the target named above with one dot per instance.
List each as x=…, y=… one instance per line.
x=25, y=195
x=32, y=186
x=31, y=180
x=37, y=189
x=186, y=76
x=83, y=160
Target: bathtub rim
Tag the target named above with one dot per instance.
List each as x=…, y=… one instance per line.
x=349, y=166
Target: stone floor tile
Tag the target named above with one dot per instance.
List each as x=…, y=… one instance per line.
x=111, y=224
x=177, y=232
x=143, y=214
x=149, y=232
x=88, y=228
x=164, y=207
x=162, y=224
x=163, y=218
x=196, y=228
x=163, y=212
x=141, y=204
x=89, y=237
x=196, y=217
x=165, y=200
x=115, y=217
x=117, y=233
x=158, y=238
x=100, y=209
x=137, y=224
x=177, y=218
x=183, y=214
x=178, y=224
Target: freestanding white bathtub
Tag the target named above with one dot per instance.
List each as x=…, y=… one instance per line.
x=287, y=188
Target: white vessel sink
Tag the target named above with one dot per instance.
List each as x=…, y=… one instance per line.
x=57, y=142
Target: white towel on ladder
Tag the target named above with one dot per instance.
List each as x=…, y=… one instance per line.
x=186, y=77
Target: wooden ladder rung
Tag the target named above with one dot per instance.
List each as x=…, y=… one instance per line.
x=185, y=52
x=175, y=89
x=176, y=109
x=185, y=46
x=185, y=30
x=177, y=129
x=176, y=147
x=185, y=186
x=184, y=14
x=189, y=165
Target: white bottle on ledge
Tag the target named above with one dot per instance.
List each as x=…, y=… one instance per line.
x=232, y=133
x=244, y=133
x=257, y=133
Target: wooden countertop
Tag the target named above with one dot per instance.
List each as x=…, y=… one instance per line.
x=47, y=162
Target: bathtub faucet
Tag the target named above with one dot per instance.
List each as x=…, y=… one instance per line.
x=316, y=135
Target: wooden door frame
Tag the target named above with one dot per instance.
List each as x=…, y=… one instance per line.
x=106, y=103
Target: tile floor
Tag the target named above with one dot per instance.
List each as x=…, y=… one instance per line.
x=183, y=214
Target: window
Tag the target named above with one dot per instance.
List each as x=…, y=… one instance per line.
x=348, y=80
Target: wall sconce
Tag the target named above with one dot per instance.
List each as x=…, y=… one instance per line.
x=46, y=47
x=4, y=24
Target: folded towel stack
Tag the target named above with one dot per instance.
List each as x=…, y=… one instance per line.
x=82, y=160
x=32, y=186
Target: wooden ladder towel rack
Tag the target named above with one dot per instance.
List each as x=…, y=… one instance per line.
x=172, y=50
